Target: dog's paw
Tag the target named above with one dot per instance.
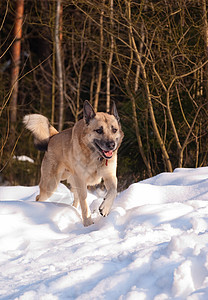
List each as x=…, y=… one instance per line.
x=88, y=221
x=104, y=209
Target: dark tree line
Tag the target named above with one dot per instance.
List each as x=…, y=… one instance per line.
x=150, y=57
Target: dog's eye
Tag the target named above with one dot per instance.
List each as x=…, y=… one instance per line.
x=114, y=130
x=99, y=130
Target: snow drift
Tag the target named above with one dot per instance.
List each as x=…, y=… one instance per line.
x=153, y=245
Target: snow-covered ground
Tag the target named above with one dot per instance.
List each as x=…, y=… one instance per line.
x=153, y=245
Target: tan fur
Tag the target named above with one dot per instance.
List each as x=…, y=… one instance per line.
x=72, y=155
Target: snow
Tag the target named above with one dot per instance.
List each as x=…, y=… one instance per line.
x=153, y=245
x=24, y=158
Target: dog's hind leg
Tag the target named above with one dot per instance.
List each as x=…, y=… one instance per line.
x=47, y=187
x=50, y=178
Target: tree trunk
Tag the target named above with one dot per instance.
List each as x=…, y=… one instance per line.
x=99, y=79
x=16, y=51
x=92, y=81
x=58, y=37
x=139, y=140
x=53, y=88
x=108, y=79
x=138, y=135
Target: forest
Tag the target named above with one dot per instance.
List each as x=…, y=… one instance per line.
x=150, y=57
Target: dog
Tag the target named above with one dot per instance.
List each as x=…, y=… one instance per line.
x=83, y=155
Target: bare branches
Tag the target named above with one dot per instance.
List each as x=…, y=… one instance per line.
x=149, y=56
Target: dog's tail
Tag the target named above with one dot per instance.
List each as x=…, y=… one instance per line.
x=41, y=129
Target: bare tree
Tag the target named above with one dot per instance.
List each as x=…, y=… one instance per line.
x=148, y=95
x=59, y=63
x=16, y=52
x=100, y=68
x=80, y=52
x=108, y=79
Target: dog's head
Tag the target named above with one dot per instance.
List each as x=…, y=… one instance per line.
x=103, y=130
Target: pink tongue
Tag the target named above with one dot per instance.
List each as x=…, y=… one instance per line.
x=108, y=153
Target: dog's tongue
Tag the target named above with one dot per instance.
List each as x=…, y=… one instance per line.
x=108, y=153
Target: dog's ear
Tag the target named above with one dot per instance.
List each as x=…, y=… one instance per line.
x=88, y=112
x=114, y=112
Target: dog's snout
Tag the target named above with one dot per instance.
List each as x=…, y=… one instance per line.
x=110, y=145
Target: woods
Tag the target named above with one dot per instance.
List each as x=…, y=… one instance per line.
x=150, y=57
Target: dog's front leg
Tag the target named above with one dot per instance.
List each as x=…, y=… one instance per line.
x=111, y=186
x=80, y=189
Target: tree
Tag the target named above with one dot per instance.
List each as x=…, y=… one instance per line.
x=100, y=68
x=59, y=64
x=16, y=52
x=109, y=64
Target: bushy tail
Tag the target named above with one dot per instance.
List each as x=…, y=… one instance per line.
x=41, y=129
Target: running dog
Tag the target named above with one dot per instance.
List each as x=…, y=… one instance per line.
x=82, y=155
